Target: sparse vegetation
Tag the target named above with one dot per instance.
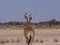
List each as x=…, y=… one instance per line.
x=3, y=41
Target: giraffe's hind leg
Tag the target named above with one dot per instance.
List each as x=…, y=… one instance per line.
x=29, y=41
x=30, y=38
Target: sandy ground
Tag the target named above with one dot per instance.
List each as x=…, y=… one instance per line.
x=42, y=37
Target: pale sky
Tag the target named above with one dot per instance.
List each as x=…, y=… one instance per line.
x=42, y=10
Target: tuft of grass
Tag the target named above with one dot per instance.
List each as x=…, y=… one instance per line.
x=12, y=40
x=2, y=41
x=17, y=40
x=55, y=40
x=36, y=40
x=41, y=41
x=7, y=41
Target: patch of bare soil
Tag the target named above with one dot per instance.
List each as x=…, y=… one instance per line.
x=42, y=37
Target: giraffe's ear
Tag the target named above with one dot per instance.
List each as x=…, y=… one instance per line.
x=25, y=16
x=30, y=17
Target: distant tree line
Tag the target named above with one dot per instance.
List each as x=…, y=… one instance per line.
x=50, y=23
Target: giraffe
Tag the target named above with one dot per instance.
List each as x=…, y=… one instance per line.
x=28, y=30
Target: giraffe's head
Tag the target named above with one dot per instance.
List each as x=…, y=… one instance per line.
x=28, y=17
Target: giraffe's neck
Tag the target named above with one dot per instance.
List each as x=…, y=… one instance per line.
x=28, y=24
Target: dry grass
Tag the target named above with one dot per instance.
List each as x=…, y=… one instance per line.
x=49, y=28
